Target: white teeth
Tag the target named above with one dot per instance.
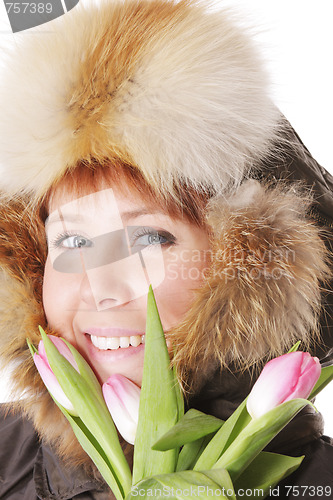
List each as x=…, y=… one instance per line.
x=105, y=343
x=124, y=341
x=135, y=340
x=112, y=343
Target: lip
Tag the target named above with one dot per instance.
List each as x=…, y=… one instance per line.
x=112, y=332
x=109, y=355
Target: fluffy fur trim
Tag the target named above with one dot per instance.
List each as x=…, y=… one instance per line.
x=22, y=258
x=262, y=291
x=169, y=86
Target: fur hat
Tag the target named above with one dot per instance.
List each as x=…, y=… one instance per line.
x=168, y=86
x=177, y=91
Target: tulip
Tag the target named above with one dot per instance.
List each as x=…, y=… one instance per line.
x=122, y=398
x=287, y=377
x=48, y=376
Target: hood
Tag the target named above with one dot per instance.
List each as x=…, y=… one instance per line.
x=261, y=294
x=179, y=93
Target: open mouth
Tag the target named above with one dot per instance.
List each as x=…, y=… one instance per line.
x=105, y=343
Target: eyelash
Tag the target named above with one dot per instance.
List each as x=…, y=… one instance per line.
x=171, y=240
x=57, y=241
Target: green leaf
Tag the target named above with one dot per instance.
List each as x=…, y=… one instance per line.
x=325, y=378
x=95, y=452
x=192, y=426
x=224, y=437
x=223, y=479
x=258, y=433
x=93, y=449
x=179, y=394
x=91, y=409
x=190, y=453
x=265, y=472
x=184, y=485
x=85, y=370
x=294, y=347
x=32, y=348
x=158, y=411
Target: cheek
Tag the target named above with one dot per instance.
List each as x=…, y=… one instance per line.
x=176, y=293
x=59, y=300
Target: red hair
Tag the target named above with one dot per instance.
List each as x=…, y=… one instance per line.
x=86, y=178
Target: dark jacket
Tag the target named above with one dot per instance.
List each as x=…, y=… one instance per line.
x=29, y=470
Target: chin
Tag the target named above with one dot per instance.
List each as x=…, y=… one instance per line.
x=103, y=373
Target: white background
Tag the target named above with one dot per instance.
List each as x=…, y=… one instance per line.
x=296, y=37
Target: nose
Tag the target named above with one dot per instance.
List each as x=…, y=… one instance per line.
x=114, y=284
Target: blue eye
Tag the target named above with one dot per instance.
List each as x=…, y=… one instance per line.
x=149, y=236
x=141, y=237
x=151, y=239
x=71, y=241
x=76, y=242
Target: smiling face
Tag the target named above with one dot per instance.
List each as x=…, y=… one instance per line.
x=105, y=248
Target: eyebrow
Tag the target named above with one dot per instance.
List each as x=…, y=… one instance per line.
x=77, y=218
x=132, y=214
x=64, y=218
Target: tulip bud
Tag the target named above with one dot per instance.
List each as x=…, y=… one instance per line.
x=290, y=376
x=47, y=374
x=122, y=398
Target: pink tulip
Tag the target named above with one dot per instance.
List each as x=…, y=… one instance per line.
x=47, y=374
x=122, y=398
x=290, y=376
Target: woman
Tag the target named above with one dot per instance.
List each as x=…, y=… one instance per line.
x=143, y=147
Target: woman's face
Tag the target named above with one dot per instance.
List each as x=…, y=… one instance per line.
x=104, y=251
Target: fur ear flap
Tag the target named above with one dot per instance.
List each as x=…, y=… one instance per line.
x=22, y=257
x=262, y=291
